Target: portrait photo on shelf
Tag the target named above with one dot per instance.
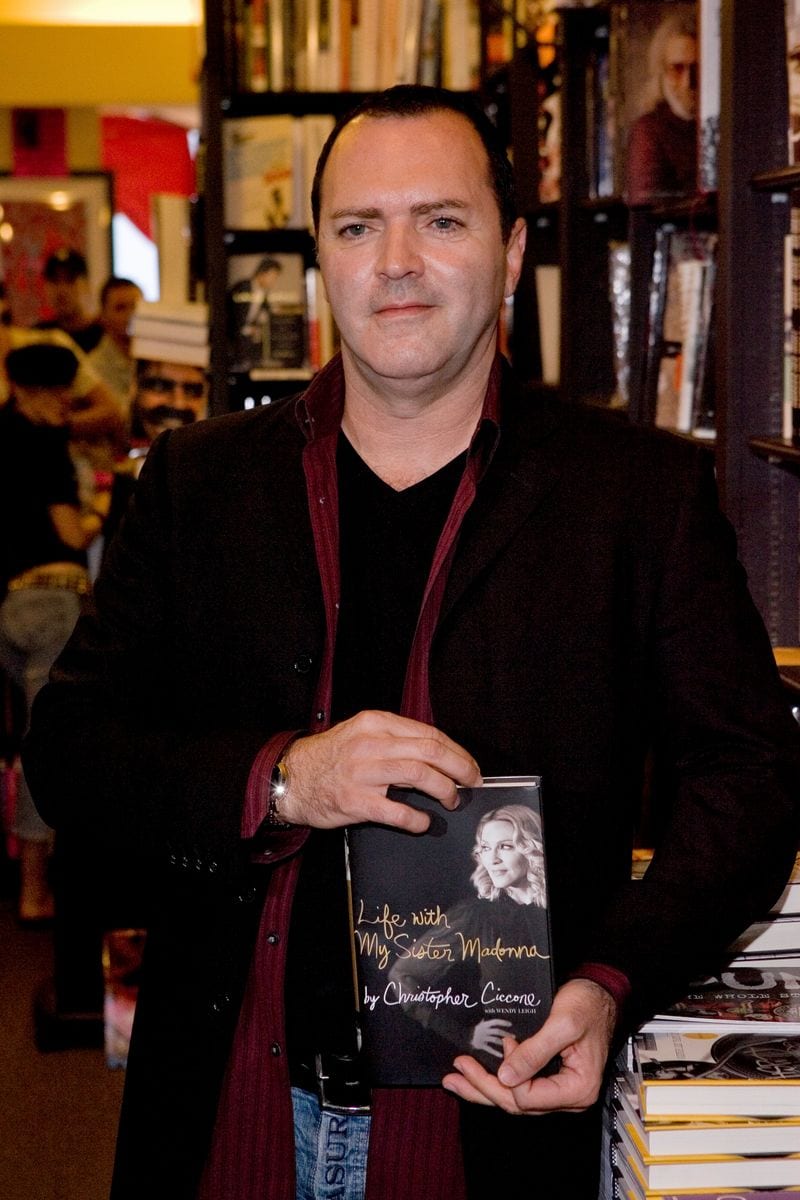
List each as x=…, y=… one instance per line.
x=656, y=85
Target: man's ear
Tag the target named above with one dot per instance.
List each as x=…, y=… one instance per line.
x=515, y=250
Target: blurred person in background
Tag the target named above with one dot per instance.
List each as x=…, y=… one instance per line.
x=43, y=575
x=66, y=278
x=111, y=357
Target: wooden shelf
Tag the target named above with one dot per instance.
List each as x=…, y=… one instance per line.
x=786, y=179
x=776, y=450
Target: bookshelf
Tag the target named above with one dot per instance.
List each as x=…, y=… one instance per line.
x=758, y=472
x=759, y=490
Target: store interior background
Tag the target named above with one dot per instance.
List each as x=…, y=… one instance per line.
x=119, y=82
x=115, y=85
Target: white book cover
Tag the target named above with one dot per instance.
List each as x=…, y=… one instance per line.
x=778, y=936
x=708, y=100
x=259, y=159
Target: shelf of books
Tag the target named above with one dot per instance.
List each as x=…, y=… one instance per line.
x=705, y=1101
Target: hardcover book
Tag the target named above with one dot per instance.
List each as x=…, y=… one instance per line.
x=703, y=1139
x=744, y=996
x=267, y=312
x=728, y=1075
x=451, y=933
x=122, y=961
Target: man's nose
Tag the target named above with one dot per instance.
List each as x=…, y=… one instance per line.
x=400, y=252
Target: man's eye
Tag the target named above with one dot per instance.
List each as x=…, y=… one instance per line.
x=353, y=231
x=446, y=223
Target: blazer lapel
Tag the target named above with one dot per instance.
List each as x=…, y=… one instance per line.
x=523, y=472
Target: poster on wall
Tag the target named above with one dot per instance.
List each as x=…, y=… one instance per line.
x=39, y=216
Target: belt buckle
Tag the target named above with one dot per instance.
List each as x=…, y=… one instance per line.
x=340, y=1087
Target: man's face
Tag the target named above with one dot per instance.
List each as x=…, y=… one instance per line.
x=68, y=298
x=170, y=394
x=680, y=76
x=411, y=250
x=266, y=280
x=118, y=308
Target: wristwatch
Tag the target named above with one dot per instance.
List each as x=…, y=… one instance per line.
x=278, y=785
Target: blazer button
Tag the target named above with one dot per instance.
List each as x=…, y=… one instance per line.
x=221, y=1002
x=303, y=664
x=276, y=1050
x=273, y=939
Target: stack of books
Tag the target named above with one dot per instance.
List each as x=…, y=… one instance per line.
x=706, y=1099
x=171, y=333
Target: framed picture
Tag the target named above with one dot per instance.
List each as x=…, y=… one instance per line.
x=654, y=47
x=40, y=214
x=267, y=312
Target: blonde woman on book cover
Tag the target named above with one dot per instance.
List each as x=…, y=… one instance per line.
x=510, y=909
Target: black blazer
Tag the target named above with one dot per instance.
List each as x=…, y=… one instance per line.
x=595, y=618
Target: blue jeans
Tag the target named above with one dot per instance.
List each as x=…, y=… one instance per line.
x=34, y=626
x=330, y=1151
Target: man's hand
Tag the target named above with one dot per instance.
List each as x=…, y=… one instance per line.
x=340, y=777
x=579, y=1028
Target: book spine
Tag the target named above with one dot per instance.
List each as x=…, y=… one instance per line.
x=709, y=95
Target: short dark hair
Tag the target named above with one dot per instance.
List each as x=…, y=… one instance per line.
x=416, y=100
x=65, y=263
x=268, y=264
x=116, y=281
x=41, y=365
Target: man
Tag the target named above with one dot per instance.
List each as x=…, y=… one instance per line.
x=409, y=575
x=662, y=147
x=249, y=314
x=111, y=357
x=66, y=277
x=167, y=396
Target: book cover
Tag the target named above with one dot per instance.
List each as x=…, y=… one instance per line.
x=655, y=117
x=451, y=932
x=548, y=118
x=122, y=961
x=732, y=1074
x=259, y=157
x=789, y=900
x=792, y=17
x=168, y=351
x=745, y=996
x=709, y=95
x=778, y=936
x=680, y=307
x=266, y=314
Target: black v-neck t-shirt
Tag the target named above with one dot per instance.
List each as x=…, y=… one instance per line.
x=387, y=542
